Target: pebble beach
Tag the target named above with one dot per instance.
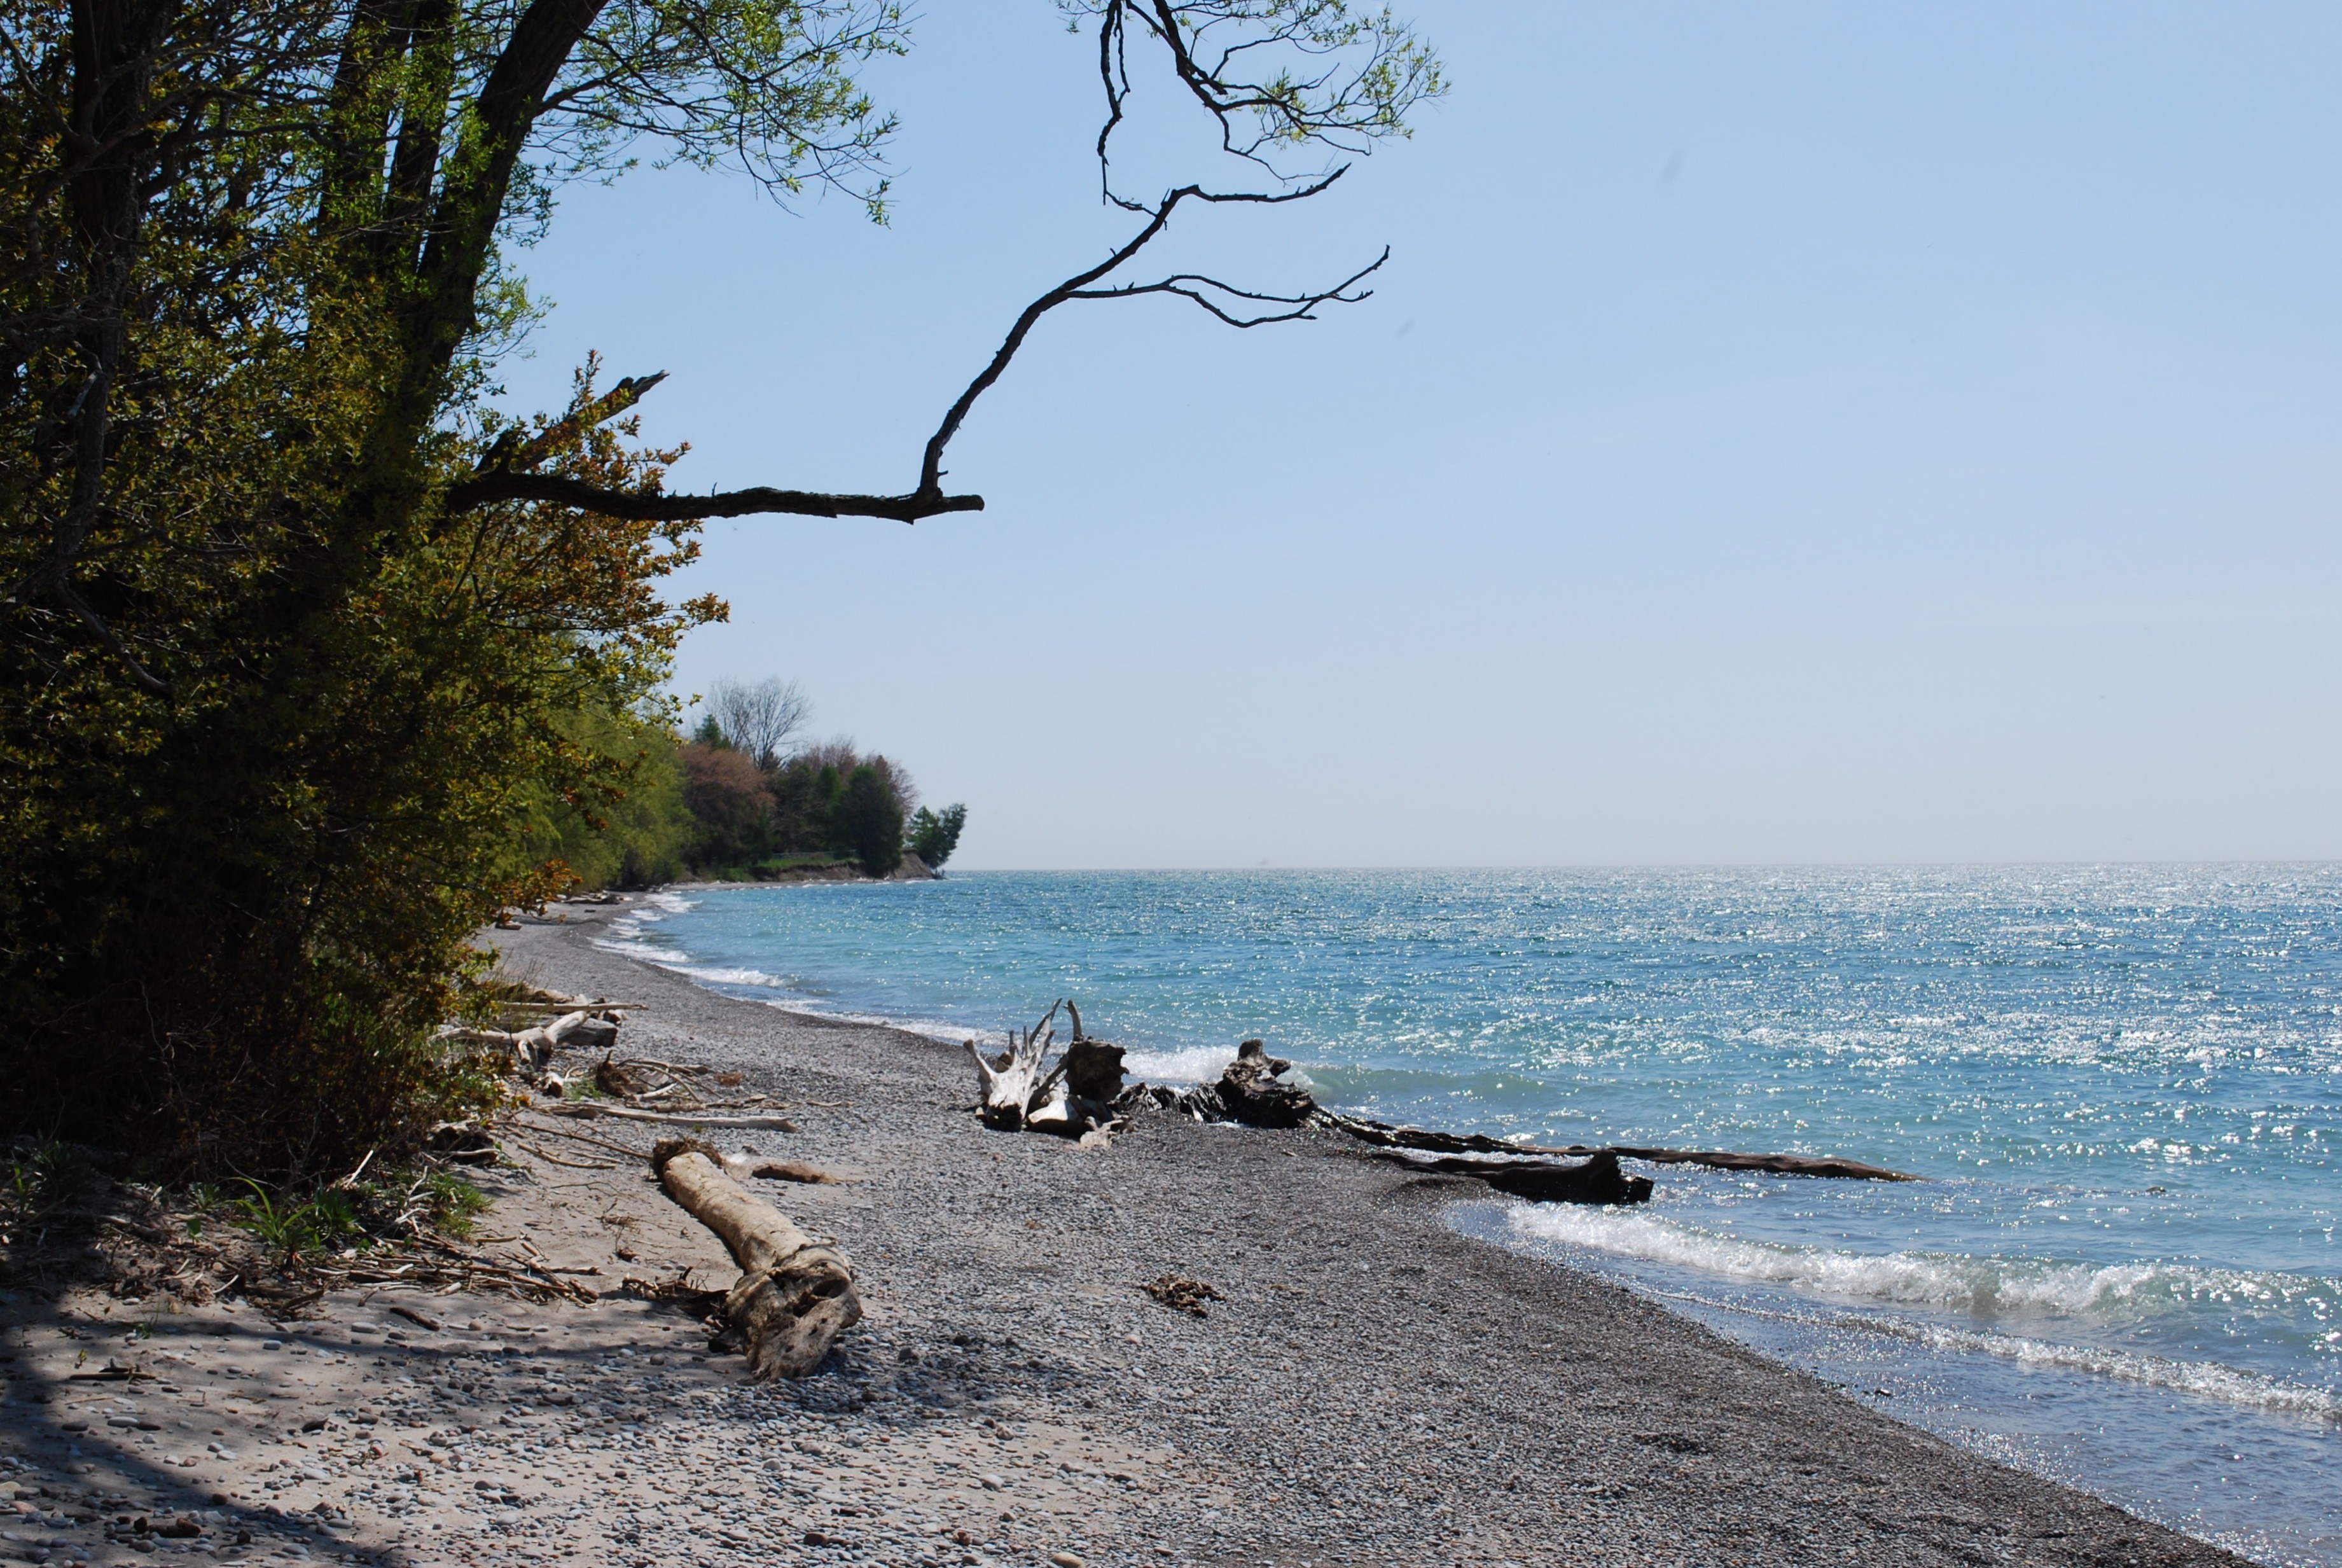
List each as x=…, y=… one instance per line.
x=1368, y=1386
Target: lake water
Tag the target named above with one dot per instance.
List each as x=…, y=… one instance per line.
x=2123, y=1085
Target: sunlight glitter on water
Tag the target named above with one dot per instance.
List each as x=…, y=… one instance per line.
x=2124, y=1083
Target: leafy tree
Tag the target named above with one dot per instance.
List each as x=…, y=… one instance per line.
x=731, y=809
x=300, y=636
x=935, y=835
x=867, y=820
x=633, y=837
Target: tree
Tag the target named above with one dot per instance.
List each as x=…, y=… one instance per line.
x=759, y=718
x=935, y=835
x=296, y=628
x=868, y=821
x=731, y=809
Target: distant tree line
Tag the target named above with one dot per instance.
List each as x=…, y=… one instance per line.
x=746, y=797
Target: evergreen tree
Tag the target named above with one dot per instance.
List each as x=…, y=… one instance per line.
x=935, y=835
x=867, y=821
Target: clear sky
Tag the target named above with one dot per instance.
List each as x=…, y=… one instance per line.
x=1783, y=434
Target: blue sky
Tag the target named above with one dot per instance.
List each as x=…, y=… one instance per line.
x=1805, y=433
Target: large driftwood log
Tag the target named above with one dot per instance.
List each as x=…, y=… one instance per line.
x=1384, y=1136
x=794, y=1295
x=1596, y=1179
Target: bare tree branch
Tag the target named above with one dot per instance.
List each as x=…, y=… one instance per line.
x=492, y=483
x=1302, y=72
x=760, y=718
x=487, y=489
x=1200, y=288
x=931, y=467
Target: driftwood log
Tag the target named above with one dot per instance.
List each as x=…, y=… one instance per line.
x=1596, y=1179
x=534, y=1047
x=1384, y=1136
x=794, y=1295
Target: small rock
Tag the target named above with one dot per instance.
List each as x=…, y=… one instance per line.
x=1065, y=1560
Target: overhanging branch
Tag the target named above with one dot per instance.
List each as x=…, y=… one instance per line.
x=493, y=482
x=487, y=489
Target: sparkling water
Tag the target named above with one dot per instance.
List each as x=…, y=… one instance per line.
x=2123, y=1086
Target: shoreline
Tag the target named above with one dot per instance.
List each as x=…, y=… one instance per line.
x=1374, y=1388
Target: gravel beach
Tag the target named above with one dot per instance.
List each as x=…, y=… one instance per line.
x=1371, y=1388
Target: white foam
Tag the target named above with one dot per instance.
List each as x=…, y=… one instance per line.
x=1960, y=1284
x=720, y=977
x=1196, y=1064
x=2205, y=1379
x=1948, y=1281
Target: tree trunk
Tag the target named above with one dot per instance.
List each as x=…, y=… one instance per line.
x=794, y=1295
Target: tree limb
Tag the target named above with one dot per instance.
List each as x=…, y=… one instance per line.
x=485, y=489
x=931, y=468
x=492, y=485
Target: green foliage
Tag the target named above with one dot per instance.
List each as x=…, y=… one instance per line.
x=454, y=1205
x=45, y=1176
x=633, y=837
x=273, y=712
x=935, y=835
x=287, y=1227
x=804, y=811
x=339, y=1217
x=731, y=808
x=867, y=821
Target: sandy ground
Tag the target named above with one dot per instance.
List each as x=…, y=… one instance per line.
x=1373, y=1389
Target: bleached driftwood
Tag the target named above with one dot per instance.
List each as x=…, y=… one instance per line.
x=1078, y=1096
x=1012, y=1086
x=795, y=1295
x=587, y=1110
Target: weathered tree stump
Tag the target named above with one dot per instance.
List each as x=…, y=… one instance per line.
x=1080, y=1095
x=1252, y=1092
x=794, y=1295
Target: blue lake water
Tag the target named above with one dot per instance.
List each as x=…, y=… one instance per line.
x=2124, y=1086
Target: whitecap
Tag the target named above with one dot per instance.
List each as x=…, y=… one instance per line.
x=1194, y=1064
